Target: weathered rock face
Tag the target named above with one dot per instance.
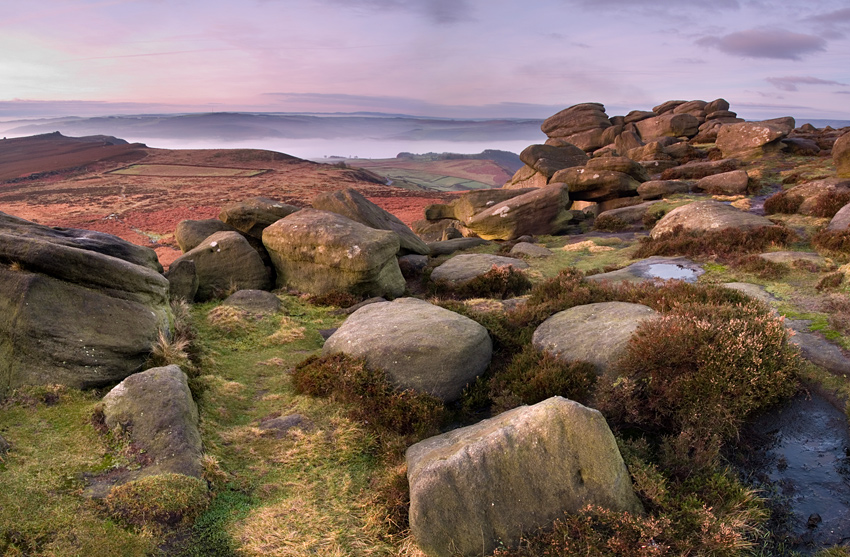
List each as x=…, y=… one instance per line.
x=697, y=170
x=351, y=203
x=419, y=345
x=596, y=333
x=190, y=233
x=320, y=252
x=734, y=182
x=156, y=409
x=547, y=159
x=618, y=164
x=526, y=177
x=597, y=185
x=582, y=125
x=841, y=220
x=749, y=140
x=509, y=475
x=707, y=216
x=463, y=268
x=469, y=204
x=668, y=125
x=841, y=155
x=632, y=214
x=253, y=215
x=656, y=189
x=448, y=247
x=223, y=261
x=182, y=280
x=80, y=316
x=439, y=230
x=543, y=211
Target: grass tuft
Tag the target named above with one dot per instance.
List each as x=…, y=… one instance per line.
x=166, y=499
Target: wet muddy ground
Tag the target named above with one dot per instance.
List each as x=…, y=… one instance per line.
x=799, y=455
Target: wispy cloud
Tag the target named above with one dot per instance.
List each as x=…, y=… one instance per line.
x=766, y=43
x=842, y=15
x=790, y=83
x=438, y=11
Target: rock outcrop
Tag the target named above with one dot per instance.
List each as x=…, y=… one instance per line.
x=318, y=252
x=419, y=345
x=253, y=215
x=706, y=216
x=749, y=140
x=542, y=211
x=492, y=482
x=82, y=308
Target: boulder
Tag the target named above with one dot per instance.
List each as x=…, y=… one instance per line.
x=813, y=193
x=257, y=302
x=463, y=268
x=667, y=106
x=469, y=204
x=526, y=177
x=618, y=164
x=652, y=151
x=669, y=125
x=715, y=105
x=412, y=266
x=706, y=216
x=543, y=211
x=419, y=345
x=630, y=215
x=627, y=141
x=438, y=230
x=841, y=155
x=530, y=250
x=576, y=119
x=597, y=185
x=82, y=308
x=225, y=261
x=318, y=252
x=735, y=182
x=596, y=333
x=691, y=107
x=657, y=189
x=190, y=233
x=253, y=215
x=448, y=247
x=182, y=280
x=493, y=482
x=638, y=115
x=841, y=220
x=801, y=146
x=351, y=203
x=547, y=159
x=697, y=170
x=155, y=409
x=750, y=140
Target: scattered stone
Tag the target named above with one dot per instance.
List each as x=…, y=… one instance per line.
x=281, y=425
x=254, y=301
x=658, y=189
x=223, y=262
x=319, y=252
x=841, y=220
x=543, y=211
x=596, y=333
x=706, y=216
x=155, y=408
x=448, y=247
x=77, y=312
x=841, y=155
x=755, y=291
x=530, y=250
x=419, y=345
x=735, y=182
x=749, y=140
x=465, y=267
x=351, y=203
x=492, y=482
x=253, y=215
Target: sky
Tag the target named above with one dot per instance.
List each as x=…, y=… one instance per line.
x=443, y=58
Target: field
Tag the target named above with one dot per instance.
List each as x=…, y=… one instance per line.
x=186, y=171
x=438, y=175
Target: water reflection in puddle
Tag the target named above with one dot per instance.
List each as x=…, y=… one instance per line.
x=668, y=271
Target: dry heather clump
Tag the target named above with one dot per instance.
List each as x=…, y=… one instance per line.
x=829, y=203
x=783, y=202
x=289, y=331
x=761, y=267
x=832, y=242
x=373, y=399
x=727, y=243
x=703, y=369
x=609, y=223
x=837, y=307
x=499, y=282
x=230, y=319
x=169, y=350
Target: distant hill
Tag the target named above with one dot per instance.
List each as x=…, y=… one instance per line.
x=836, y=124
x=505, y=158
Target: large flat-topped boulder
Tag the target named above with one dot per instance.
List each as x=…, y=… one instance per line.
x=225, y=261
x=734, y=182
x=697, y=170
x=668, y=125
x=576, y=119
x=351, y=203
x=542, y=211
x=320, y=252
x=596, y=333
x=493, y=482
x=253, y=215
x=707, y=216
x=749, y=140
x=419, y=345
x=75, y=316
x=465, y=267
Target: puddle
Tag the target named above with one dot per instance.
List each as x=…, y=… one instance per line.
x=668, y=271
x=800, y=455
